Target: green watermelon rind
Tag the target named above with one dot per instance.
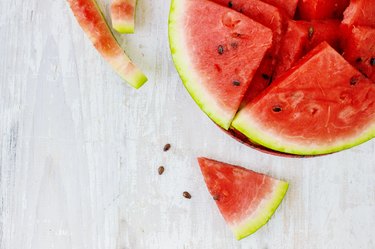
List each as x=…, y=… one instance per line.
x=249, y=127
x=189, y=77
x=263, y=214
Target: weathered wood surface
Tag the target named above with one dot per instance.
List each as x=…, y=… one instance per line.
x=79, y=151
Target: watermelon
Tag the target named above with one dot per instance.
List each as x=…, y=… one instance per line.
x=359, y=49
x=246, y=199
x=321, y=105
x=360, y=12
x=271, y=17
x=289, y=6
x=123, y=15
x=94, y=25
x=321, y=9
x=303, y=36
x=216, y=51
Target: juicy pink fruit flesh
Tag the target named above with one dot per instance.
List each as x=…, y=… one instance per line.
x=94, y=25
x=360, y=12
x=123, y=15
x=321, y=9
x=321, y=105
x=289, y=6
x=359, y=49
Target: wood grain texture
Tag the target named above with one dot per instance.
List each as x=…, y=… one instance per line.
x=79, y=151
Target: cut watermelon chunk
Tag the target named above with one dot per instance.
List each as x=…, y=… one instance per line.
x=359, y=49
x=216, y=51
x=94, y=25
x=123, y=15
x=322, y=105
x=289, y=6
x=322, y=9
x=246, y=199
x=303, y=36
x=360, y=12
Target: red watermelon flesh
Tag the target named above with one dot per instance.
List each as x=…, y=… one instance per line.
x=359, y=49
x=321, y=9
x=322, y=105
x=360, y=12
x=271, y=17
x=289, y=6
x=303, y=36
x=216, y=66
x=246, y=199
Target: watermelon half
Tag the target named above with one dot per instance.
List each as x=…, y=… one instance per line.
x=95, y=26
x=246, y=199
x=216, y=51
x=123, y=15
x=322, y=105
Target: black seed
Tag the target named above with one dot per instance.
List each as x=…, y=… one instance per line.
x=354, y=80
x=186, y=195
x=234, y=44
x=236, y=83
x=230, y=4
x=167, y=147
x=220, y=49
x=277, y=109
x=216, y=197
x=358, y=60
x=372, y=61
x=265, y=76
x=161, y=170
x=311, y=32
x=241, y=11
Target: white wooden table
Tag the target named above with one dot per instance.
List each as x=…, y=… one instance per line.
x=79, y=151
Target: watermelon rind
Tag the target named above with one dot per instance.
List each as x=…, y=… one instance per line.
x=263, y=213
x=253, y=130
x=126, y=23
x=189, y=78
x=96, y=28
x=123, y=27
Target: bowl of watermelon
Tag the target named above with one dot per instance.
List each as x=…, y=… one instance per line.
x=285, y=77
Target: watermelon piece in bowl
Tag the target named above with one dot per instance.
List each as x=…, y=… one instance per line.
x=93, y=23
x=123, y=15
x=321, y=9
x=359, y=49
x=246, y=199
x=360, y=12
x=301, y=37
x=321, y=105
x=216, y=51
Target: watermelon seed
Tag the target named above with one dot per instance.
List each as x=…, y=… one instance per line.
x=314, y=111
x=167, y=147
x=372, y=61
x=230, y=4
x=353, y=80
x=277, y=109
x=216, y=197
x=187, y=195
x=220, y=49
x=311, y=32
x=358, y=60
x=161, y=170
x=234, y=44
x=236, y=83
x=265, y=76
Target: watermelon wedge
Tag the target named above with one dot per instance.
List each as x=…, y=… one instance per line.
x=246, y=199
x=359, y=49
x=321, y=105
x=216, y=51
x=94, y=25
x=123, y=15
x=303, y=36
x=360, y=12
x=321, y=9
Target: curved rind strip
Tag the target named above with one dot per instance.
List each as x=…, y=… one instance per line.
x=123, y=16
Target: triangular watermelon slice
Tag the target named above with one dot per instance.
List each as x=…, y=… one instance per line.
x=246, y=199
x=321, y=105
x=216, y=51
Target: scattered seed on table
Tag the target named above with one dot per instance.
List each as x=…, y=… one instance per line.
x=187, y=195
x=161, y=170
x=167, y=147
